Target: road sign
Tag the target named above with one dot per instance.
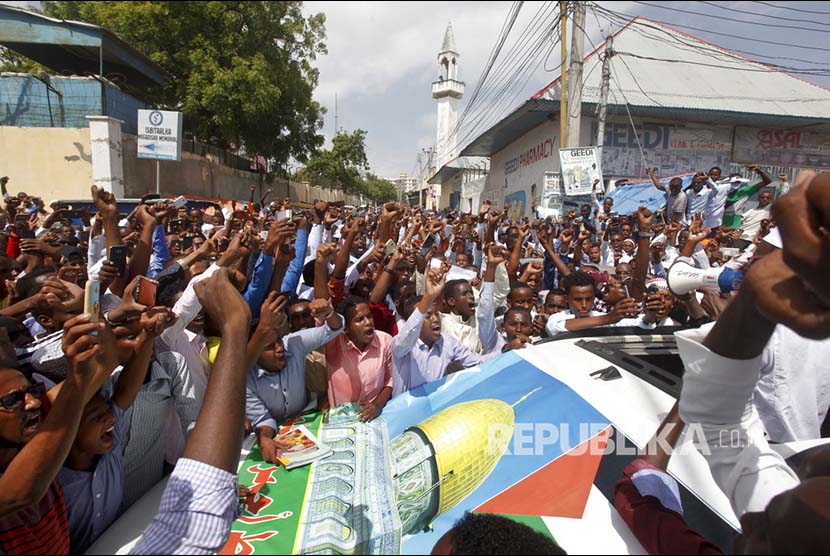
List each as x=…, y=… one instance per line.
x=160, y=135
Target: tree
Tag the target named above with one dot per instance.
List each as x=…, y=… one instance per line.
x=340, y=167
x=240, y=71
x=380, y=190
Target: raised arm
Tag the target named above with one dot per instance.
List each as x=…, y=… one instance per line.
x=91, y=358
x=655, y=181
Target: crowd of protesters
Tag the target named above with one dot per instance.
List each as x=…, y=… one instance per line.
x=244, y=315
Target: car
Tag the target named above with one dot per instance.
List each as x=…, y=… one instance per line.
x=625, y=379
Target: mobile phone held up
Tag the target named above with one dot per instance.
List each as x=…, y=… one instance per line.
x=92, y=297
x=284, y=214
x=118, y=257
x=145, y=292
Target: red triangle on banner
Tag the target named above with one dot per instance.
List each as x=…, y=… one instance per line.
x=559, y=489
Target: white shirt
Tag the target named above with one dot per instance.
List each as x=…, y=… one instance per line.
x=556, y=322
x=717, y=397
x=793, y=394
x=751, y=222
x=716, y=202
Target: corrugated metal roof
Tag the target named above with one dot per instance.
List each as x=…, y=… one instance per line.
x=74, y=47
x=700, y=76
x=737, y=91
x=459, y=164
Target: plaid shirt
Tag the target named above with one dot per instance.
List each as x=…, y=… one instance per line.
x=197, y=511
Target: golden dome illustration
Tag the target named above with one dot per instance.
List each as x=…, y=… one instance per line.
x=468, y=440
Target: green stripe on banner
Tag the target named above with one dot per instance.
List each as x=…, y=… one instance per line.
x=271, y=518
x=534, y=522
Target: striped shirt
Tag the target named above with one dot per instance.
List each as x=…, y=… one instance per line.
x=170, y=388
x=41, y=528
x=197, y=511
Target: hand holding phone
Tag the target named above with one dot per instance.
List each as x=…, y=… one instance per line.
x=92, y=297
x=118, y=257
x=145, y=291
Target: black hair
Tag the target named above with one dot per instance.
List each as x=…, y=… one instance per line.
x=449, y=288
x=716, y=168
x=578, y=279
x=519, y=310
x=585, y=206
x=308, y=273
x=29, y=285
x=294, y=301
x=349, y=307
x=399, y=286
x=516, y=285
x=556, y=291
x=494, y=534
x=676, y=182
x=167, y=291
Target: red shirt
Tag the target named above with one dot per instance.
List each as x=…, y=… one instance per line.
x=384, y=318
x=659, y=530
x=41, y=528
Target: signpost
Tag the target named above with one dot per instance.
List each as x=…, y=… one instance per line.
x=580, y=168
x=159, y=137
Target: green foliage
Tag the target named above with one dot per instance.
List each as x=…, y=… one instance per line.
x=340, y=167
x=380, y=190
x=346, y=167
x=240, y=71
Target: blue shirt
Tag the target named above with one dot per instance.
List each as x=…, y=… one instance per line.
x=414, y=363
x=697, y=200
x=161, y=253
x=93, y=498
x=295, y=269
x=274, y=396
x=260, y=282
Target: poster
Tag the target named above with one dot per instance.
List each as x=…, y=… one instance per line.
x=782, y=147
x=672, y=150
x=579, y=170
x=515, y=205
x=477, y=440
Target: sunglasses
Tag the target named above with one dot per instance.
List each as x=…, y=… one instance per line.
x=16, y=400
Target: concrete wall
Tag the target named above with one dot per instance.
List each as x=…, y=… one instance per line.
x=193, y=175
x=52, y=163
x=56, y=163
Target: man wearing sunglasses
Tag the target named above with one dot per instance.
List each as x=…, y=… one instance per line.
x=34, y=445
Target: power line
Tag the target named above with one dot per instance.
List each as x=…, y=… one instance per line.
x=513, y=54
x=758, y=70
x=771, y=5
x=630, y=17
x=736, y=10
x=729, y=19
x=640, y=25
x=509, y=21
x=628, y=111
x=715, y=52
x=504, y=87
x=509, y=89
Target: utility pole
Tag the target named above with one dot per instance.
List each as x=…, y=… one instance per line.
x=563, y=91
x=575, y=81
x=603, y=95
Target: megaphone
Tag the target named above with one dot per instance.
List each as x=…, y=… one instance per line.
x=683, y=278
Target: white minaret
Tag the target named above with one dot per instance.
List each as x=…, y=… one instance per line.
x=447, y=90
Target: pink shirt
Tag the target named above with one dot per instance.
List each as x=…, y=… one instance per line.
x=356, y=376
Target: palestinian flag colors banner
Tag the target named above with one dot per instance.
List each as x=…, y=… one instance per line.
x=506, y=438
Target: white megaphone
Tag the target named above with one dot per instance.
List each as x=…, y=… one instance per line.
x=683, y=278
